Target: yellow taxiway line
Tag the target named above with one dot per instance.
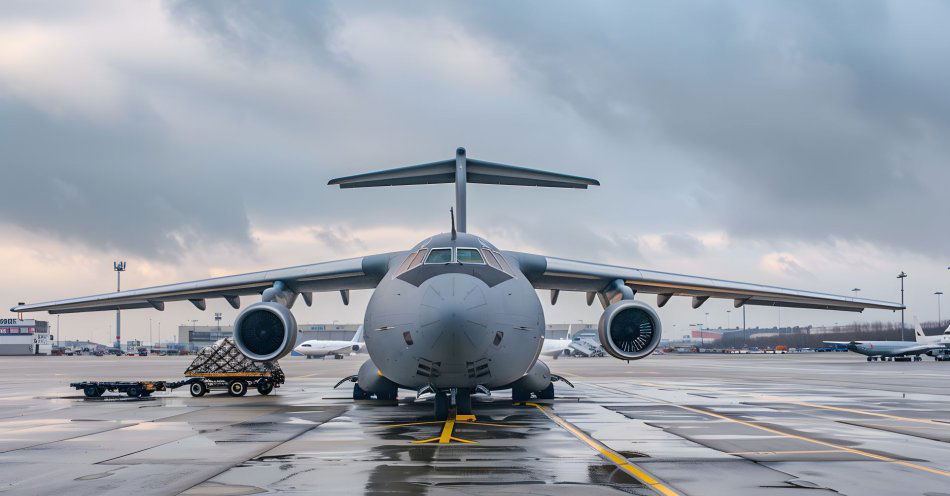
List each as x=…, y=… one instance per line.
x=799, y=437
x=790, y=401
x=618, y=460
x=838, y=447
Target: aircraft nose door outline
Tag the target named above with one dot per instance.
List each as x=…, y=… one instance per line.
x=452, y=314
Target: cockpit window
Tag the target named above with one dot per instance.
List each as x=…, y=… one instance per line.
x=504, y=263
x=439, y=255
x=469, y=255
x=418, y=258
x=306, y=345
x=490, y=259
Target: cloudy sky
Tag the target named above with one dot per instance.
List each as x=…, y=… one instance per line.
x=802, y=144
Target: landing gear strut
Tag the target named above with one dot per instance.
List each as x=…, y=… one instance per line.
x=441, y=406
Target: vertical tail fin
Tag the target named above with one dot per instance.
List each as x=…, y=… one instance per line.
x=918, y=331
x=358, y=337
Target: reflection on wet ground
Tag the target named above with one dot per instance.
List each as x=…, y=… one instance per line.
x=788, y=425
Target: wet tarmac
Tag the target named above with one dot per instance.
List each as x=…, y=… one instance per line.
x=700, y=425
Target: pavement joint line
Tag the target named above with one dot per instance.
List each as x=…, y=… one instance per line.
x=803, y=403
x=617, y=459
x=839, y=447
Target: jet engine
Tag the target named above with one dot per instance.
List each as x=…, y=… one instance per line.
x=265, y=331
x=629, y=330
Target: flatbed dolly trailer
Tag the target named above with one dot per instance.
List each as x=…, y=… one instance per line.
x=235, y=383
x=220, y=366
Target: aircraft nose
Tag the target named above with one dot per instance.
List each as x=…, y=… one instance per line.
x=454, y=312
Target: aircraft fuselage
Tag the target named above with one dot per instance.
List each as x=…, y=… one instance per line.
x=454, y=314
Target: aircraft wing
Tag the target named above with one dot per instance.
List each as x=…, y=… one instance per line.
x=338, y=275
x=571, y=275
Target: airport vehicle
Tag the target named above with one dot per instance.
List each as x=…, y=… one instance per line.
x=220, y=366
x=935, y=346
x=556, y=347
x=319, y=348
x=454, y=314
x=236, y=384
x=135, y=389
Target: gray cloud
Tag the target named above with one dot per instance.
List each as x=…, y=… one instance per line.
x=803, y=119
x=684, y=244
x=772, y=120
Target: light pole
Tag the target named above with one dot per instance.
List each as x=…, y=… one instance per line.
x=901, y=276
x=150, y=342
x=939, y=322
x=119, y=268
x=855, y=291
x=728, y=319
x=702, y=332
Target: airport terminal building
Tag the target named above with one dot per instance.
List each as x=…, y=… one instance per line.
x=24, y=337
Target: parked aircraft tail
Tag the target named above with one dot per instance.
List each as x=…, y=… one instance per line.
x=918, y=331
x=358, y=337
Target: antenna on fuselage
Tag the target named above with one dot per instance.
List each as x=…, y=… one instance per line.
x=452, y=214
x=461, y=171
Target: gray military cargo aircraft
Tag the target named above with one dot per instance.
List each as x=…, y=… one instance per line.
x=455, y=315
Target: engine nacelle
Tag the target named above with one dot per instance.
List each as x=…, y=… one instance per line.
x=265, y=331
x=629, y=330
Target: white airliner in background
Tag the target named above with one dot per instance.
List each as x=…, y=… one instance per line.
x=320, y=348
x=936, y=346
x=555, y=347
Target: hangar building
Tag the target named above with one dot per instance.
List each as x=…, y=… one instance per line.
x=24, y=337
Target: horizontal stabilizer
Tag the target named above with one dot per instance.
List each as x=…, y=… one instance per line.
x=462, y=170
x=478, y=171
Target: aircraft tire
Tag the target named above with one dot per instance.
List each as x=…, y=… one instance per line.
x=463, y=403
x=359, y=393
x=547, y=393
x=92, y=391
x=869, y=359
x=237, y=388
x=519, y=395
x=441, y=406
x=390, y=395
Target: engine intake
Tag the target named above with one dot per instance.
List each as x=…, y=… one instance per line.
x=265, y=331
x=629, y=330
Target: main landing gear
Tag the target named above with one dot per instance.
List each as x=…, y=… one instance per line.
x=520, y=394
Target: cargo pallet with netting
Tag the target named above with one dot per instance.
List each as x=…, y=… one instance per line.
x=223, y=366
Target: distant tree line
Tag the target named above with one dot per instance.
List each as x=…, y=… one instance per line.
x=808, y=337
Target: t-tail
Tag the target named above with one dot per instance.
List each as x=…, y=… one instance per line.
x=461, y=171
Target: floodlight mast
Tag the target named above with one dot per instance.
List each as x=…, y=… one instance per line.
x=119, y=267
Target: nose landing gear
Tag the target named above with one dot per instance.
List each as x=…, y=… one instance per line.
x=459, y=398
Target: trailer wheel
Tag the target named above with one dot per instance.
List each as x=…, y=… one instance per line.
x=134, y=391
x=265, y=387
x=92, y=391
x=198, y=389
x=237, y=388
